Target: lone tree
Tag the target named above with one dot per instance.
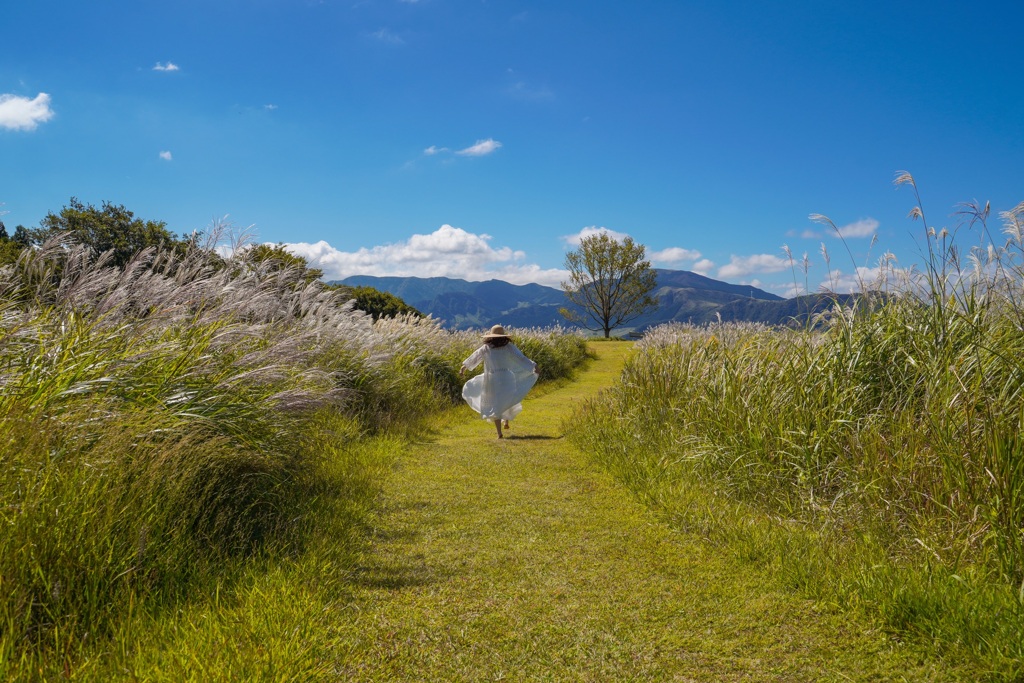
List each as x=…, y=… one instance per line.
x=610, y=282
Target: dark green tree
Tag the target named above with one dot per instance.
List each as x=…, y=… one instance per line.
x=276, y=257
x=22, y=236
x=9, y=249
x=610, y=283
x=379, y=304
x=108, y=228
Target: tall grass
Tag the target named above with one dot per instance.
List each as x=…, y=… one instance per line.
x=882, y=456
x=165, y=420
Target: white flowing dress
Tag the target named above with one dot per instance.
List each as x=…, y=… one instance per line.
x=507, y=376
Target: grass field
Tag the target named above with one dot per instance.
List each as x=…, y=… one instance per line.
x=477, y=559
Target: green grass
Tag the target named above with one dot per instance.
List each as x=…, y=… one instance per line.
x=478, y=559
x=171, y=429
x=873, y=463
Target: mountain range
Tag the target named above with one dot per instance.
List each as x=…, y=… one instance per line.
x=682, y=296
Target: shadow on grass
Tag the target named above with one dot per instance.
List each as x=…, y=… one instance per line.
x=390, y=565
x=533, y=437
x=394, y=575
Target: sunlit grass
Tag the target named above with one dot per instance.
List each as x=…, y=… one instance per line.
x=876, y=465
x=169, y=423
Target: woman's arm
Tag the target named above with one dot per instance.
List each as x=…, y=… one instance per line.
x=516, y=351
x=474, y=360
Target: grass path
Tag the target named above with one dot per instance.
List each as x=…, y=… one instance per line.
x=520, y=560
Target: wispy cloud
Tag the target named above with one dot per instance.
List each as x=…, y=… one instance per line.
x=865, y=227
x=169, y=66
x=590, y=230
x=446, y=252
x=270, y=107
x=481, y=148
x=22, y=113
x=520, y=89
x=385, y=35
x=166, y=155
x=741, y=266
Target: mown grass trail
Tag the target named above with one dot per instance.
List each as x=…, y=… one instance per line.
x=520, y=560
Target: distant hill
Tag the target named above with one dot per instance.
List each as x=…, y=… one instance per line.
x=682, y=296
x=464, y=305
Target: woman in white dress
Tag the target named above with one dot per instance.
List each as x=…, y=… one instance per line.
x=507, y=376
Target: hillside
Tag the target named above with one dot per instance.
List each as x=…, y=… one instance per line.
x=682, y=296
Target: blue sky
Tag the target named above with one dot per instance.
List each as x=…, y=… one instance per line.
x=481, y=138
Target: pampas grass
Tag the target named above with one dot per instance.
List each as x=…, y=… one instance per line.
x=167, y=419
x=886, y=448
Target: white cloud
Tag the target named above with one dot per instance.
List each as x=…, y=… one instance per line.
x=166, y=155
x=169, y=66
x=22, y=113
x=521, y=90
x=740, y=266
x=481, y=148
x=865, y=227
x=844, y=283
x=674, y=255
x=787, y=290
x=886, y=275
x=270, y=107
x=446, y=252
x=386, y=36
x=806, y=234
x=703, y=267
x=574, y=240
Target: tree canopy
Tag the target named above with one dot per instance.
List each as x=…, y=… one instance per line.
x=278, y=258
x=377, y=303
x=610, y=283
x=108, y=228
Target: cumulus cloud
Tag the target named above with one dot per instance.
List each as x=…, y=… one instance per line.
x=703, y=267
x=674, y=255
x=433, y=149
x=166, y=155
x=446, y=252
x=22, y=113
x=865, y=227
x=741, y=266
x=169, y=66
x=574, y=240
x=481, y=148
x=844, y=283
x=884, y=276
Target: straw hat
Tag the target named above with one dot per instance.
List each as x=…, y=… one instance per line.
x=497, y=332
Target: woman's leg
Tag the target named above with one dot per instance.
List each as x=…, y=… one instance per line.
x=497, y=425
